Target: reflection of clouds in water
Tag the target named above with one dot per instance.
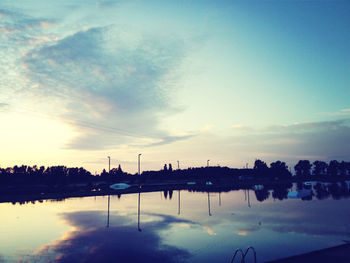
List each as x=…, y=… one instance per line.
x=209, y=230
x=298, y=217
x=247, y=230
x=91, y=241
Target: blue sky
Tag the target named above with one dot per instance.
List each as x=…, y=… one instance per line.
x=187, y=80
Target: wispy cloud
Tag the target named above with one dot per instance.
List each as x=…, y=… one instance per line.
x=108, y=82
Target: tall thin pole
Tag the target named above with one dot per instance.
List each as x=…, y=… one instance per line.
x=178, y=165
x=139, y=162
x=109, y=164
x=208, y=162
x=219, y=198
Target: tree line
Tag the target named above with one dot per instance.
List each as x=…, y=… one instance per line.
x=278, y=170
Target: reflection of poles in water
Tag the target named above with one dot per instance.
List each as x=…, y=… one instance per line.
x=248, y=199
x=245, y=195
x=138, y=214
x=109, y=197
x=219, y=198
x=178, y=206
x=209, y=205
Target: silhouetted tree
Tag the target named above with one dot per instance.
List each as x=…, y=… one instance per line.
x=320, y=168
x=279, y=170
x=104, y=174
x=302, y=168
x=333, y=168
x=260, y=168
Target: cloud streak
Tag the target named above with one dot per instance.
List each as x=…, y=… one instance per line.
x=315, y=140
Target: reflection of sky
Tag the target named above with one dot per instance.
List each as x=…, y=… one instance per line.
x=75, y=230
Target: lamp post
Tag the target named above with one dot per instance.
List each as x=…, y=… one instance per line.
x=178, y=165
x=139, y=162
x=208, y=163
x=109, y=164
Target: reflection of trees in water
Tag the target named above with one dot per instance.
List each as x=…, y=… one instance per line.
x=320, y=190
x=262, y=195
x=166, y=193
x=308, y=197
x=339, y=190
x=280, y=193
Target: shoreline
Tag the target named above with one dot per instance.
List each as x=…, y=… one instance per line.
x=23, y=194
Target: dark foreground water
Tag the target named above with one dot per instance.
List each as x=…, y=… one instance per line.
x=172, y=227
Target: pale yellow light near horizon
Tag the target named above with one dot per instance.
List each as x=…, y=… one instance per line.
x=28, y=139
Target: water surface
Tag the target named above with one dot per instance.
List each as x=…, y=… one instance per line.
x=171, y=226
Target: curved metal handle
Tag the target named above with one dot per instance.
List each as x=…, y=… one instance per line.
x=235, y=254
x=247, y=250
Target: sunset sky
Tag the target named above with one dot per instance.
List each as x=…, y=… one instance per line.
x=229, y=81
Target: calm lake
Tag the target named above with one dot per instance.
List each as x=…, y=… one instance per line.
x=172, y=226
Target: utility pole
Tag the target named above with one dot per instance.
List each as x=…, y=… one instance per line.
x=208, y=163
x=139, y=162
x=109, y=164
x=178, y=165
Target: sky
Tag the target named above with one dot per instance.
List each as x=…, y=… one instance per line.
x=187, y=81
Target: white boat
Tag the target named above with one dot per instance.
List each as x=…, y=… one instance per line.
x=209, y=183
x=120, y=186
x=191, y=183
